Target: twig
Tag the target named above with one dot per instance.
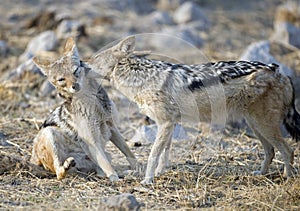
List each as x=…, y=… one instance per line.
x=16, y=145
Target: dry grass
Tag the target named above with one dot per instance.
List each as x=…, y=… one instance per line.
x=204, y=174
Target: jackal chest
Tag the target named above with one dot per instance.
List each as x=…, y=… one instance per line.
x=158, y=105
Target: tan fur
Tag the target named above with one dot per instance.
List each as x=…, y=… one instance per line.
x=57, y=153
x=260, y=94
x=76, y=132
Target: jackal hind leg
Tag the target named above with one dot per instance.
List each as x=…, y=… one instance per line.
x=164, y=135
x=287, y=154
x=272, y=133
x=51, y=147
x=268, y=149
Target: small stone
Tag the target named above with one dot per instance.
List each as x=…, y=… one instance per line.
x=286, y=33
x=169, y=5
x=3, y=48
x=260, y=51
x=287, y=12
x=2, y=135
x=46, y=89
x=44, y=20
x=176, y=38
x=69, y=28
x=25, y=66
x=186, y=34
x=179, y=133
x=3, y=139
x=189, y=12
x=161, y=18
x=137, y=6
x=45, y=41
x=124, y=201
x=146, y=134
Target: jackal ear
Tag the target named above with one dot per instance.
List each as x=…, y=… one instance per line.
x=72, y=51
x=125, y=47
x=42, y=63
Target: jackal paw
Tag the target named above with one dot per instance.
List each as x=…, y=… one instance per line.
x=113, y=178
x=69, y=163
x=147, y=181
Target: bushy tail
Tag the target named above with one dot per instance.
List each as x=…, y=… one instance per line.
x=292, y=120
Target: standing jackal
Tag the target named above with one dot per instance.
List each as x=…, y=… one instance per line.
x=164, y=92
x=75, y=133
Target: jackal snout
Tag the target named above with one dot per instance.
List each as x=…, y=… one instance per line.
x=76, y=86
x=73, y=86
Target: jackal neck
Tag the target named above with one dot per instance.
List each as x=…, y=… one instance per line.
x=136, y=71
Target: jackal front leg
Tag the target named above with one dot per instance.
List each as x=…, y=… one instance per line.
x=97, y=154
x=93, y=144
x=164, y=160
x=164, y=135
x=118, y=140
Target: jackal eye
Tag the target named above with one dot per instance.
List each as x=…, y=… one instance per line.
x=76, y=72
x=61, y=81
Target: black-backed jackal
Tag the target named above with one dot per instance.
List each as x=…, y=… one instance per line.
x=75, y=132
x=169, y=93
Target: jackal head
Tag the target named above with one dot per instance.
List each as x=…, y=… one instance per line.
x=104, y=62
x=65, y=73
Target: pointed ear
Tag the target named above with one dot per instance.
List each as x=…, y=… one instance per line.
x=42, y=63
x=72, y=51
x=125, y=47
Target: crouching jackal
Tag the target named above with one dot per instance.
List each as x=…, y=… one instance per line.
x=75, y=133
x=165, y=91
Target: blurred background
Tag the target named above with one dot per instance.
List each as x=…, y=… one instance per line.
x=187, y=31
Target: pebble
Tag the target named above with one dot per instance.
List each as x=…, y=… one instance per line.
x=46, y=88
x=176, y=38
x=45, y=41
x=169, y=5
x=137, y=6
x=3, y=48
x=161, y=18
x=69, y=28
x=286, y=33
x=287, y=12
x=124, y=202
x=189, y=12
x=17, y=72
x=146, y=134
x=3, y=139
x=260, y=51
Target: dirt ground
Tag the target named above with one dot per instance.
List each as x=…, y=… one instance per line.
x=206, y=172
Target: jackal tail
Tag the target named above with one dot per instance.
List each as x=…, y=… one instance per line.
x=292, y=120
